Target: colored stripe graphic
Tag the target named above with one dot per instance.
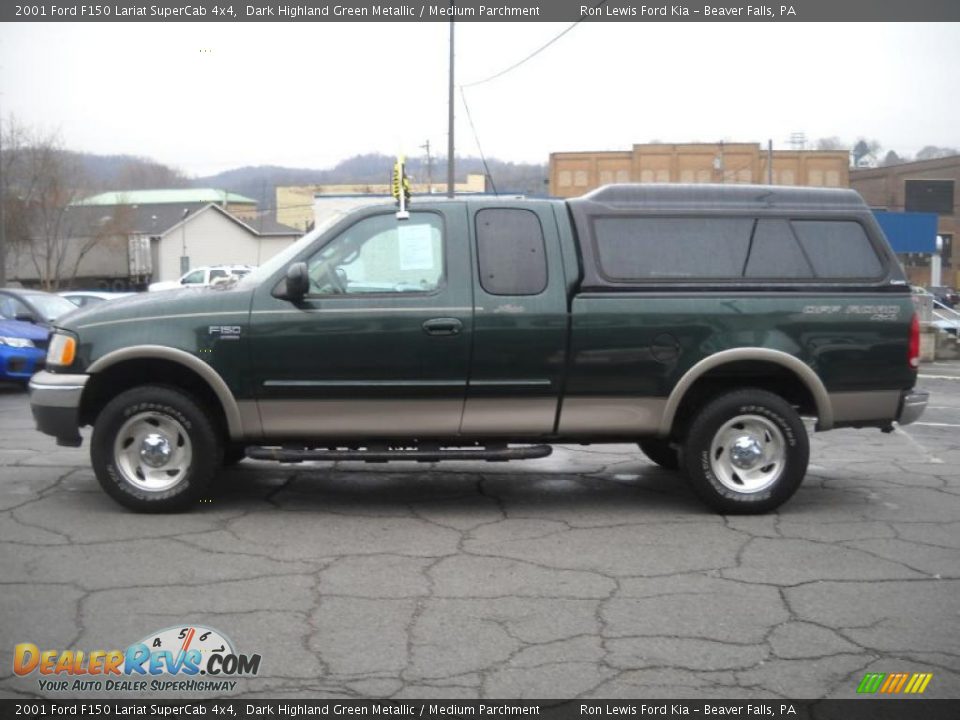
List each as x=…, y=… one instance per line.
x=894, y=683
x=871, y=682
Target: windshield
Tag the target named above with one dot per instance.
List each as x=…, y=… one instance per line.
x=50, y=307
x=288, y=253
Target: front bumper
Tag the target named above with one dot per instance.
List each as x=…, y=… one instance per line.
x=912, y=405
x=55, y=404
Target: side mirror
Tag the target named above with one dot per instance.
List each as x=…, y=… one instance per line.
x=25, y=317
x=296, y=284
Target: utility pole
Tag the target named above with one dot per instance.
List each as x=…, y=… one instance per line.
x=426, y=146
x=450, y=145
x=769, y=162
x=718, y=163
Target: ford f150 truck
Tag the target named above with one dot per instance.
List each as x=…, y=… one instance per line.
x=702, y=322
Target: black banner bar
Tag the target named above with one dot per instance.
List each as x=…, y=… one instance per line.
x=854, y=709
x=482, y=11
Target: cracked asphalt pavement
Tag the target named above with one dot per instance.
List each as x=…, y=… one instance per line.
x=591, y=573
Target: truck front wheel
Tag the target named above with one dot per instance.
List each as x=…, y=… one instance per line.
x=746, y=452
x=154, y=449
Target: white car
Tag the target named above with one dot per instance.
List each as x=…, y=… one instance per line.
x=201, y=276
x=86, y=298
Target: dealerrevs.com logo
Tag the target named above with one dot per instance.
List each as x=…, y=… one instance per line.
x=182, y=659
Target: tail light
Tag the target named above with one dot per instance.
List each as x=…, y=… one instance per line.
x=913, y=353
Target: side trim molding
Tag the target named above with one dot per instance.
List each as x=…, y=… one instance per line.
x=799, y=368
x=209, y=375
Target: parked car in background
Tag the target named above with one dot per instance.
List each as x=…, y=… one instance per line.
x=23, y=346
x=945, y=295
x=86, y=298
x=201, y=276
x=33, y=306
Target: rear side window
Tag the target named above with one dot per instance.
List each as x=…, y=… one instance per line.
x=638, y=248
x=838, y=249
x=511, y=253
x=775, y=253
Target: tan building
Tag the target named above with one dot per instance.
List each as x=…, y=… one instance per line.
x=923, y=186
x=295, y=202
x=575, y=173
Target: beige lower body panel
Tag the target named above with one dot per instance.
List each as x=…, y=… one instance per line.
x=249, y=419
x=360, y=418
x=509, y=416
x=862, y=406
x=627, y=416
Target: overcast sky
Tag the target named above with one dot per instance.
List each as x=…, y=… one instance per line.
x=206, y=97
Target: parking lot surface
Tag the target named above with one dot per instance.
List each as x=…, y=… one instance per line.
x=591, y=573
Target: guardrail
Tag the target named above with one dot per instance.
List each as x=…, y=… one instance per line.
x=944, y=317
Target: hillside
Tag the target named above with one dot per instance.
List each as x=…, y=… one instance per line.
x=126, y=172
x=259, y=182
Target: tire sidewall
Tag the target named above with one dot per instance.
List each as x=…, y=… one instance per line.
x=796, y=450
x=205, y=449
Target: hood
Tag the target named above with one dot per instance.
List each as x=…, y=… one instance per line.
x=154, y=306
x=24, y=330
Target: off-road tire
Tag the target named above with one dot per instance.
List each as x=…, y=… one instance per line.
x=705, y=462
x=170, y=405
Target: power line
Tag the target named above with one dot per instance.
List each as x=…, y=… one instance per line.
x=483, y=159
x=531, y=55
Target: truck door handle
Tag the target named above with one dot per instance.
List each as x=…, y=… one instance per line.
x=442, y=326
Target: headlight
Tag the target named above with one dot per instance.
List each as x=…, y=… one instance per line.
x=62, y=350
x=16, y=342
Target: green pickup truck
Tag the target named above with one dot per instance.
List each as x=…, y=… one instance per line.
x=701, y=322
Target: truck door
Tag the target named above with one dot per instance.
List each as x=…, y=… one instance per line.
x=380, y=345
x=520, y=324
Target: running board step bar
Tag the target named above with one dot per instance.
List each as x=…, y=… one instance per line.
x=382, y=454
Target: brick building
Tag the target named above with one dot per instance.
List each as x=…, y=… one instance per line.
x=574, y=173
x=923, y=186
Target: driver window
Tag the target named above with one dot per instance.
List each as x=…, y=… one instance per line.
x=194, y=278
x=381, y=254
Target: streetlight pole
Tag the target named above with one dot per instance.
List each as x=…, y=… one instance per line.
x=450, y=144
x=184, y=259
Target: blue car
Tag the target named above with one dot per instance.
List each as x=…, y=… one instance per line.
x=23, y=347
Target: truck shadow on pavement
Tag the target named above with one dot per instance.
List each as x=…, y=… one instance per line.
x=638, y=488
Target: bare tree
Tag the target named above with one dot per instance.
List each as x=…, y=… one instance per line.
x=891, y=158
x=145, y=174
x=933, y=152
x=831, y=143
x=863, y=148
x=44, y=226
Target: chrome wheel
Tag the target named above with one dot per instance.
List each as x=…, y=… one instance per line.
x=152, y=451
x=748, y=454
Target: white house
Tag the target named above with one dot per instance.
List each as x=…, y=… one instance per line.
x=212, y=236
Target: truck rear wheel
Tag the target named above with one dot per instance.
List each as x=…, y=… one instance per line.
x=154, y=449
x=660, y=452
x=746, y=452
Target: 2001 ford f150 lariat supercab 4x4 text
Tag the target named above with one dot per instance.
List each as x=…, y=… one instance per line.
x=701, y=322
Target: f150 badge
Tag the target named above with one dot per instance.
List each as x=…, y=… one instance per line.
x=225, y=332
